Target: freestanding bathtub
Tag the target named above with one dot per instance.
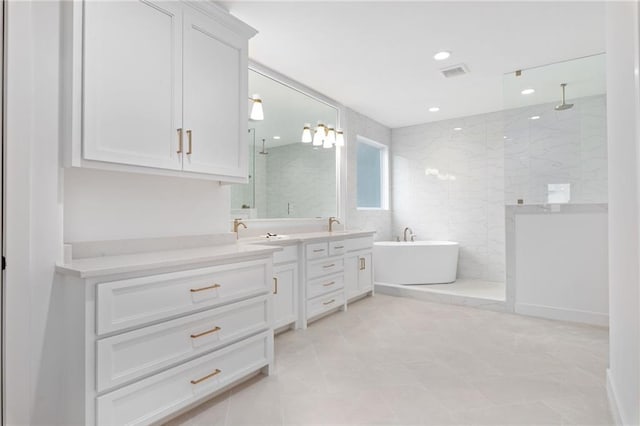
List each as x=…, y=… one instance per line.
x=418, y=262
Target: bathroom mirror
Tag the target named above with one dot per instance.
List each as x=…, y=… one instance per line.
x=287, y=178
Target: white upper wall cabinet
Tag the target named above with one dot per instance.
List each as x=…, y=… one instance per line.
x=158, y=87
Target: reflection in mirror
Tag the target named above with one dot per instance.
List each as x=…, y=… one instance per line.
x=287, y=178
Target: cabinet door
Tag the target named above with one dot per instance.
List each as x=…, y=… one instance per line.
x=351, y=265
x=365, y=272
x=285, y=294
x=132, y=82
x=215, y=98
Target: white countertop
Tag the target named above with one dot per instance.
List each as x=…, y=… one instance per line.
x=305, y=237
x=109, y=265
x=100, y=266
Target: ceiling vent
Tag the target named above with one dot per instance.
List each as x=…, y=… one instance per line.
x=455, y=71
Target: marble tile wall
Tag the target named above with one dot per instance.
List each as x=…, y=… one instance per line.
x=479, y=171
x=301, y=181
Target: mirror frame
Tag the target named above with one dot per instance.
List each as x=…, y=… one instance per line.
x=340, y=122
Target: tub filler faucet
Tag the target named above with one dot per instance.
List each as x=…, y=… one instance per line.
x=407, y=229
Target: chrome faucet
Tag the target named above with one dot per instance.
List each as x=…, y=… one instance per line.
x=236, y=226
x=407, y=229
x=332, y=220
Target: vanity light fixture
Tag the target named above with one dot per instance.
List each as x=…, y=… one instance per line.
x=441, y=56
x=528, y=91
x=535, y=117
x=318, y=136
x=276, y=137
x=323, y=136
x=330, y=138
x=306, y=133
x=434, y=109
x=457, y=129
x=257, y=113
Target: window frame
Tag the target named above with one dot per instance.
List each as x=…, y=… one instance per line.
x=384, y=172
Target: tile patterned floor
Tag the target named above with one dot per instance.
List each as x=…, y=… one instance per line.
x=398, y=361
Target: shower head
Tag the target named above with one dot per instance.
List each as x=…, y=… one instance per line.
x=563, y=106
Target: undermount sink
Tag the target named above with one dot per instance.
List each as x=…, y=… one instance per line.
x=276, y=237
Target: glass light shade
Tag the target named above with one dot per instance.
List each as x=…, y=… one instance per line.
x=257, y=112
x=339, y=138
x=331, y=135
x=306, y=134
x=318, y=137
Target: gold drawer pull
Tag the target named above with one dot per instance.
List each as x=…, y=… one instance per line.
x=338, y=247
x=363, y=263
x=211, y=287
x=318, y=250
x=204, y=333
x=329, y=302
x=179, y=151
x=190, y=151
x=275, y=280
x=208, y=376
x=328, y=284
x=329, y=266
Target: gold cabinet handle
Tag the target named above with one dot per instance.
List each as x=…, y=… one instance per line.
x=179, y=151
x=318, y=250
x=329, y=266
x=362, y=264
x=275, y=280
x=329, y=302
x=211, y=287
x=328, y=284
x=204, y=333
x=338, y=247
x=190, y=150
x=208, y=376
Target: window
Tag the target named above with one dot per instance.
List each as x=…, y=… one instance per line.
x=372, y=169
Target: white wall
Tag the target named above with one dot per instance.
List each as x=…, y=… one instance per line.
x=101, y=205
x=34, y=231
x=561, y=266
x=623, y=134
x=378, y=220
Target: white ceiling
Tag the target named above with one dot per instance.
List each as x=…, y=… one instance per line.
x=377, y=57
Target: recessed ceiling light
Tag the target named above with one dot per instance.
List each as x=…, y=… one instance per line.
x=441, y=56
x=276, y=137
x=528, y=91
x=457, y=129
x=535, y=117
x=434, y=109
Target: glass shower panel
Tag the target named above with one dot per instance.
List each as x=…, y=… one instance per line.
x=555, y=146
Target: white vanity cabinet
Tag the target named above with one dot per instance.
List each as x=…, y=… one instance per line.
x=285, y=287
x=336, y=269
x=158, y=87
x=359, y=267
x=139, y=345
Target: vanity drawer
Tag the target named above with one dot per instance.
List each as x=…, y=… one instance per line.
x=288, y=254
x=323, y=304
x=127, y=356
x=153, y=398
x=324, y=267
x=360, y=243
x=325, y=285
x=138, y=301
x=317, y=250
x=336, y=248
